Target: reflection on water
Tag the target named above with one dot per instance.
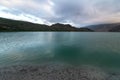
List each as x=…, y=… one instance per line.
x=102, y=49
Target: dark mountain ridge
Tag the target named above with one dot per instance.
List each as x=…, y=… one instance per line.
x=15, y=25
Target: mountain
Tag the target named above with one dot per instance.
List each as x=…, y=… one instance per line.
x=15, y=25
x=67, y=27
x=112, y=27
x=115, y=29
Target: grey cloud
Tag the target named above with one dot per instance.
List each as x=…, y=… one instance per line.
x=108, y=5
x=66, y=10
x=79, y=11
x=14, y=11
x=82, y=12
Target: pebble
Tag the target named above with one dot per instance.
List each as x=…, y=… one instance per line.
x=54, y=72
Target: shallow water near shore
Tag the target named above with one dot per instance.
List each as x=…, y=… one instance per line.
x=76, y=48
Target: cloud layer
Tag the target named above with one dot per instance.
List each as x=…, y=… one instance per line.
x=76, y=12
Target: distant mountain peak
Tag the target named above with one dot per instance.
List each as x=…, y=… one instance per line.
x=110, y=27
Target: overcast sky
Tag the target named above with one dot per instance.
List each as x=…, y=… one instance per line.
x=75, y=12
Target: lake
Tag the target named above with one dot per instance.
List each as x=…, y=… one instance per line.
x=86, y=48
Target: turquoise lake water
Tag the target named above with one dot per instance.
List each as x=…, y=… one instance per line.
x=87, y=48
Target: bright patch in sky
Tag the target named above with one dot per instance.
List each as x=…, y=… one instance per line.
x=75, y=12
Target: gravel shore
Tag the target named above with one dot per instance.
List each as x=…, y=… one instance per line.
x=55, y=72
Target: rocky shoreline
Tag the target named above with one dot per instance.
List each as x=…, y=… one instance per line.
x=55, y=72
